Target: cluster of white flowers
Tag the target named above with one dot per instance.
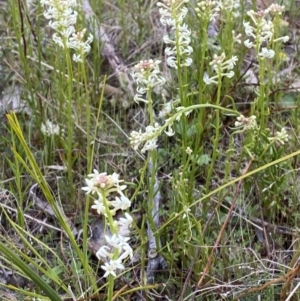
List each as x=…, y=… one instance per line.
x=221, y=68
x=146, y=75
x=262, y=31
x=166, y=109
x=274, y=8
x=208, y=10
x=50, y=129
x=63, y=18
x=172, y=14
x=281, y=136
x=230, y=6
x=117, y=249
x=247, y=123
x=148, y=138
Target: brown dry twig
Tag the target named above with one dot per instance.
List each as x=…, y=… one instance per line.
x=288, y=277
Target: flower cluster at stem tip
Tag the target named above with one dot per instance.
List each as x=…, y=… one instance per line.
x=249, y=124
x=63, y=17
x=210, y=10
x=146, y=75
x=262, y=31
x=148, y=137
x=221, y=68
x=50, y=129
x=172, y=14
x=117, y=249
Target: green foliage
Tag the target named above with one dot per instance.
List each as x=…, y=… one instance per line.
x=200, y=168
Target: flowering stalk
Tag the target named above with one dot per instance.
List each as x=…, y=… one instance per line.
x=147, y=75
x=139, y=138
x=62, y=16
x=222, y=68
x=50, y=132
x=261, y=37
x=104, y=187
x=207, y=11
x=179, y=53
x=257, y=142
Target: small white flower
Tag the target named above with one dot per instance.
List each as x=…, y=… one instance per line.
x=248, y=43
x=125, y=222
x=166, y=110
x=128, y=252
x=77, y=58
x=171, y=62
x=50, y=129
x=237, y=38
x=188, y=62
x=247, y=123
x=267, y=53
x=121, y=203
x=281, y=136
x=209, y=80
x=149, y=145
x=167, y=40
x=113, y=241
x=111, y=267
x=229, y=74
x=283, y=39
x=99, y=206
x=188, y=150
x=103, y=253
x=109, y=270
x=117, y=264
x=123, y=241
x=249, y=30
x=90, y=188
x=58, y=40
x=170, y=132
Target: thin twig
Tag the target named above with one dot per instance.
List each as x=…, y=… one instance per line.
x=266, y=242
x=288, y=282
x=290, y=275
x=38, y=221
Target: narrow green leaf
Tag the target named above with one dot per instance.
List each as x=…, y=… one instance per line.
x=49, y=292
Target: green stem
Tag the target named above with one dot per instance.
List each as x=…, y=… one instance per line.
x=152, y=159
x=68, y=99
x=262, y=103
x=217, y=134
